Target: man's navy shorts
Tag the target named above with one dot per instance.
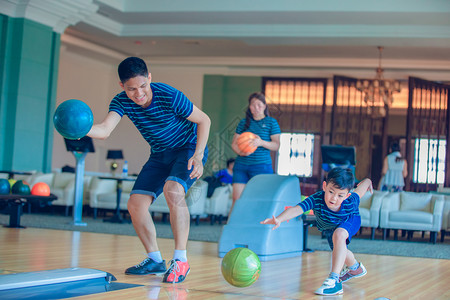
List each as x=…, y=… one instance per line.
x=171, y=164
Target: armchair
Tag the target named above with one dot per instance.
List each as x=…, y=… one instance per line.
x=412, y=211
x=445, y=218
x=218, y=205
x=103, y=194
x=195, y=200
x=159, y=205
x=63, y=187
x=42, y=177
x=369, y=209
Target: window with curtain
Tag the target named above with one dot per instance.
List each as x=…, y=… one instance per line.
x=429, y=161
x=295, y=156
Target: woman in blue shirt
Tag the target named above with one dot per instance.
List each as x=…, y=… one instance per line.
x=267, y=130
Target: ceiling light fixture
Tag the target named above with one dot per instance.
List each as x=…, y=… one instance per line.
x=378, y=92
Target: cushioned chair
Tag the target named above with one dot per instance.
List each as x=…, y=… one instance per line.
x=195, y=199
x=28, y=178
x=35, y=178
x=160, y=206
x=445, y=218
x=218, y=205
x=103, y=194
x=369, y=209
x=42, y=177
x=412, y=212
x=63, y=187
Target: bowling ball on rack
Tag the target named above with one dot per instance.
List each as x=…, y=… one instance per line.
x=21, y=188
x=40, y=189
x=4, y=186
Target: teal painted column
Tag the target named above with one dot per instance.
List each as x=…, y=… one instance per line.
x=225, y=100
x=29, y=70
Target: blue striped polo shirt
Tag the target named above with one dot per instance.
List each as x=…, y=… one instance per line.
x=264, y=128
x=326, y=218
x=163, y=123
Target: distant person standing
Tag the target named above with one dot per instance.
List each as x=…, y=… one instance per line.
x=267, y=131
x=394, y=171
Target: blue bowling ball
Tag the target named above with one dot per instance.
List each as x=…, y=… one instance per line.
x=4, y=186
x=73, y=119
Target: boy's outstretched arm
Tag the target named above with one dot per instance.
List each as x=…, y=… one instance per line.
x=288, y=214
x=364, y=186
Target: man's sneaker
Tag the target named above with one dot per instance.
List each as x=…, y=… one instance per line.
x=349, y=274
x=330, y=287
x=147, y=266
x=177, y=271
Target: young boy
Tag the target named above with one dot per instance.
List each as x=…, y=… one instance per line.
x=337, y=214
x=177, y=132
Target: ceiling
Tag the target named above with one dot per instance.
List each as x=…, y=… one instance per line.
x=319, y=34
x=409, y=30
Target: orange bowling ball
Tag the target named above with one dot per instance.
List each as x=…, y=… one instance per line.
x=40, y=189
x=244, y=142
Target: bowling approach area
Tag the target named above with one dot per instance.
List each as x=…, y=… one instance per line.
x=394, y=277
x=29, y=255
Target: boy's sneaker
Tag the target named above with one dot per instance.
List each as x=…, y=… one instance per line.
x=147, y=266
x=177, y=271
x=330, y=287
x=349, y=274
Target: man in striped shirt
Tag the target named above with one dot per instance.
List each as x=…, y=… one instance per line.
x=177, y=132
x=337, y=215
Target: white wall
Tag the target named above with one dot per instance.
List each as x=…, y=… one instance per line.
x=96, y=82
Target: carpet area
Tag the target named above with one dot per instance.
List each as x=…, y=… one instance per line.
x=417, y=247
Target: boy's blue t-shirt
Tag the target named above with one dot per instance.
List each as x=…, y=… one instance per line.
x=326, y=218
x=264, y=128
x=163, y=124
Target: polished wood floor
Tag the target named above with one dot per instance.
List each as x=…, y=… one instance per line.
x=30, y=249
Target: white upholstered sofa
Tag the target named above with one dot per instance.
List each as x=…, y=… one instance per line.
x=219, y=204
x=62, y=185
x=195, y=199
x=412, y=212
x=445, y=218
x=369, y=209
x=103, y=194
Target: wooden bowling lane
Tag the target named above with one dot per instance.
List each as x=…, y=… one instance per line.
x=394, y=277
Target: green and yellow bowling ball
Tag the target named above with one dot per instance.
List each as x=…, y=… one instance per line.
x=11, y=182
x=241, y=267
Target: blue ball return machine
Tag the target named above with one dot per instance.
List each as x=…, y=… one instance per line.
x=264, y=196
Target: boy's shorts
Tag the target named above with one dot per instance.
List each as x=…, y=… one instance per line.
x=352, y=226
x=243, y=173
x=171, y=164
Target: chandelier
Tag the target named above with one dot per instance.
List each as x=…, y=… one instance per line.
x=378, y=92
